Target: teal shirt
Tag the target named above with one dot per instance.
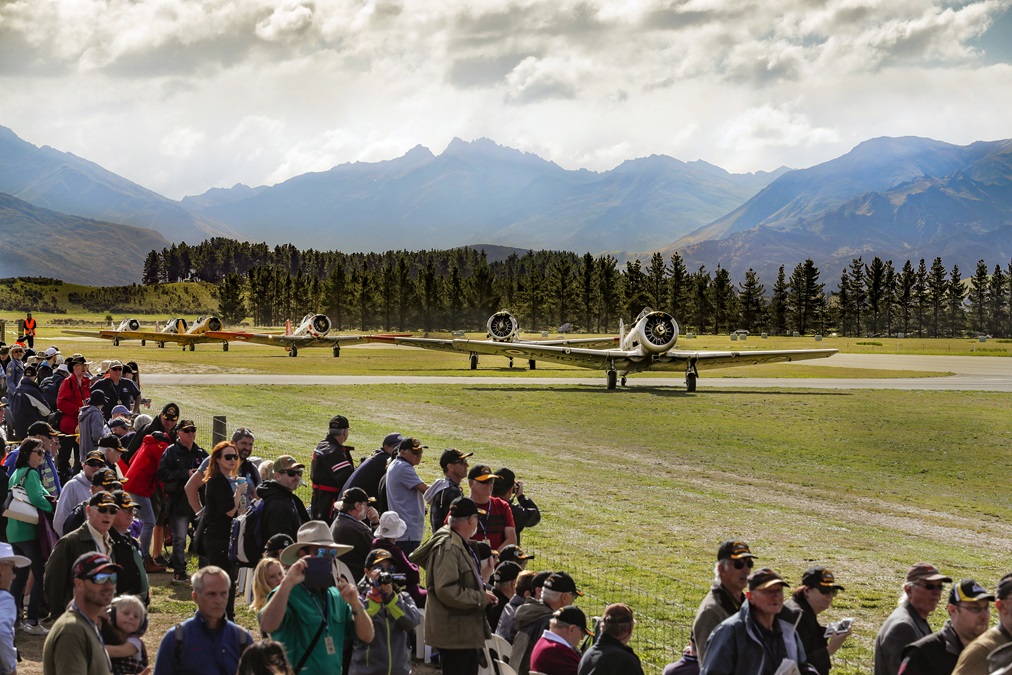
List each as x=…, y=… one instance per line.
x=18, y=531
x=303, y=616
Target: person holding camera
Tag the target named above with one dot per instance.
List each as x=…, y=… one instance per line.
x=311, y=614
x=394, y=617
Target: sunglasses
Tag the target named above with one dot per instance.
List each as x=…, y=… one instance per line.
x=117, y=368
x=740, y=564
x=188, y=430
x=974, y=609
x=294, y=472
x=828, y=591
x=932, y=587
x=107, y=510
x=326, y=553
x=103, y=578
x=230, y=458
x=40, y=453
x=94, y=462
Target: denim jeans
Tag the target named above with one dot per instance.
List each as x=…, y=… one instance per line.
x=179, y=526
x=146, y=513
x=32, y=551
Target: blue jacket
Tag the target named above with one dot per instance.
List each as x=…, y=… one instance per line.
x=735, y=647
x=204, y=652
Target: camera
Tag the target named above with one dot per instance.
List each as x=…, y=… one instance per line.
x=389, y=578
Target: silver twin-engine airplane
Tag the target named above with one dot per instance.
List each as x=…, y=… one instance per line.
x=649, y=345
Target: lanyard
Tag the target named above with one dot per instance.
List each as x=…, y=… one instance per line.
x=74, y=608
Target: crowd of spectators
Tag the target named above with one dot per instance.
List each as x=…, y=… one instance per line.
x=339, y=586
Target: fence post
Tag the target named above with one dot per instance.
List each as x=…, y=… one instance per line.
x=219, y=429
x=3, y=330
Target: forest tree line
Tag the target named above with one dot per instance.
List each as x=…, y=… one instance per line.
x=459, y=289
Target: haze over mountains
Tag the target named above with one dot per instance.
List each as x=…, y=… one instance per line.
x=897, y=198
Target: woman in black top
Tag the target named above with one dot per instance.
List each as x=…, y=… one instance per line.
x=222, y=500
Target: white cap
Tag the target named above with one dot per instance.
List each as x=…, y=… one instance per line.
x=52, y=351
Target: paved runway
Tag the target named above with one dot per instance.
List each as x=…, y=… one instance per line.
x=971, y=373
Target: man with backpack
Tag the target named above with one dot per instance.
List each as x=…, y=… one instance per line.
x=283, y=511
x=28, y=403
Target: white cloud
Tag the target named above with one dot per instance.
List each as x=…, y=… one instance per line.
x=181, y=142
x=287, y=22
x=767, y=126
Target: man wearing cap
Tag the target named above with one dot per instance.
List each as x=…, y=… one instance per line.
x=294, y=611
x=908, y=623
x=734, y=564
x=367, y=475
x=760, y=636
x=104, y=480
x=74, y=644
x=456, y=600
x=77, y=489
x=611, y=652
x=523, y=589
x=90, y=423
x=178, y=463
x=165, y=422
x=444, y=490
x=394, y=617
x=118, y=390
x=133, y=580
x=533, y=616
x=75, y=390
x=330, y=468
x=404, y=490
x=284, y=512
x=28, y=403
x=9, y=561
x=91, y=537
x=349, y=528
x=497, y=524
x=50, y=360
x=212, y=645
x=818, y=588
x=969, y=611
x=504, y=585
x=557, y=650
x=507, y=488
x=112, y=449
x=973, y=660
x=513, y=553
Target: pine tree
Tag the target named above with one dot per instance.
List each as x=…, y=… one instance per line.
x=778, y=304
x=979, y=286
x=589, y=292
x=921, y=296
x=997, y=303
x=656, y=283
x=610, y=292
x=875, y=285
x=806, y=296
x=753, y=305
x=151, y=269
x=481, y=296
x=937, y=286
x=338, y=295
x=231, y=307
x=955, y=293
x=678, y=286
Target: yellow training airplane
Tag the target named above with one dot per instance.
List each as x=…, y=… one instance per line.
x=175, y=331
x=312, y=332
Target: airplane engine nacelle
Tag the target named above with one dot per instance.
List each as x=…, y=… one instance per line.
x=315, y=325
x=656, y=331
x=204, y=324
x=130, y=324
x=502, y=326
x=175, y=326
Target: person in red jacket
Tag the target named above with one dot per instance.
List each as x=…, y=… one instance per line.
x=142, y=485
x=556, y=653
x=74, y=392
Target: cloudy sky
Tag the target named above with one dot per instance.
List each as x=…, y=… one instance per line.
x=184, y=95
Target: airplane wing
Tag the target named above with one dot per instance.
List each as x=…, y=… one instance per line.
x=277, y=340
x=633, y=360
x=424, y=343
x=153, y=336
x=584, y=342
x=106, y=334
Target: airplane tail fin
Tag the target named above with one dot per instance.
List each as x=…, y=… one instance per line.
x=288, y=327
x=621, y=333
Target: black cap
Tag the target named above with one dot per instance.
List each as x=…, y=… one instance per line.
x=102, y=499
x=451, y=455
x=482, y=549
x=764, y=578
x=354, y=495
x=91, y=563
x=97, y=397
x=968, y=590
x=572, y=615
x=506, y=479
x=562, y=582
x=42, y=429
x=339, y=422
x=733, y=550
x=187, y=425
x=462, y=507
x=412, y=444
x=278, y=543
x=104, y=478
x=110, y=441
x=819, y=577
x=539, y=579
x=481, y=473
x=505, y=572
x=1004, y=589
x=513, y=552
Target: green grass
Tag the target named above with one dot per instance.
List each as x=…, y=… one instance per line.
x=640, y=486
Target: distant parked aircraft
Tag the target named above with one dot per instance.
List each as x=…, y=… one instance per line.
x=649, y=345
x=503, y=329
x=312, y=332
x=174, y=331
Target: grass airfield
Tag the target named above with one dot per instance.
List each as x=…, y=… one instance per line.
x=639, y=486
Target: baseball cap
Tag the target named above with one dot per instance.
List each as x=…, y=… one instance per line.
x=51, y=351
x=412, y=444
x=376, y=556
x=1004, y=589
x=574, y=616
x=187, y=425
x=277, y=543
x=451, y=455
x=102, y=499
x=506, y=478
x=115, y=364
x=339, y=422
x=505, y=572
x=287, y=463
x=118, y=422
x=819, y=577
x=462, y=507
x=123, y=499
x=923, y=571
x=561, y=582
x=512, y=552
x=63, y=369
x=31, y=371
x=763, y=578
x=733, y=550
x=97, y=397
x=120, y=409
x=95, y=455
x=393, y=439
x=42, y=429
x=968, y=590
x=91, y=563
x=354, y=495
x=110, y=441
x=481, y=473
x=539, y=579
x=104, y=478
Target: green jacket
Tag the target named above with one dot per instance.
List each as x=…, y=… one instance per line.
x=456, y=600
x=18, y=531
x=58, y=583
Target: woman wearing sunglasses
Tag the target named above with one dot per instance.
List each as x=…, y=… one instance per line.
x=813, y=597
x=222, y=501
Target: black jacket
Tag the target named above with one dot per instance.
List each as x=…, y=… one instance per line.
x=174, y=470
x=367, y=475
x=811, y=633
x=607, y=656
x=935, y=654
x=284, y=512
x=353, y=532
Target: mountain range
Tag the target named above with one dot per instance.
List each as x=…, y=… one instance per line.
x=897, y=198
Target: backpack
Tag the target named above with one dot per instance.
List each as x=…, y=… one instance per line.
x=246, y=541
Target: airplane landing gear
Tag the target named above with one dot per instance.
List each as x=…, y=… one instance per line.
x=337, y=351
x=623, y=380
x=690, y=382
x=294, y=351
x=474, y=361
x=612, y=379
x=224, y=346
x=143, y=342
x=115, y=342
x=161, y=345
x=533, y=364
x=192, y=346
x=511, y=362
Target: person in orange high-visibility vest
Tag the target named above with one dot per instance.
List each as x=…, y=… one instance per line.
x=30, y=331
